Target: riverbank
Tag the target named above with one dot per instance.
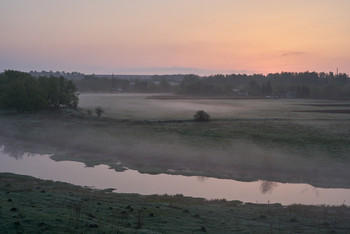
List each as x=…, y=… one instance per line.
x=32, y=205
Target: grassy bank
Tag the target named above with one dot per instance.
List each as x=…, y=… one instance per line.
x=29, y=205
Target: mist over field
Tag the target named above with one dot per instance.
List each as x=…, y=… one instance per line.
x=255, y=139
x=245, y=139
x=144, y=107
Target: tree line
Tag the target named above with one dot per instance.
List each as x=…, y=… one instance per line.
x=68, y=75
x=23, y=92
x=56, y=91
x=298, y=85
x=156, y=84
x=286, y=84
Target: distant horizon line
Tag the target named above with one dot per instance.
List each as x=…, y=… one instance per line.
x=173, y=74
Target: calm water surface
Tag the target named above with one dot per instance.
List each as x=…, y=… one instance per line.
x=131, y=181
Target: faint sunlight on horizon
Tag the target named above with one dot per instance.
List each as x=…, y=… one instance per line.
x=184, y=36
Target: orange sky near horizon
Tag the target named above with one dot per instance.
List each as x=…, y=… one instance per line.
x=150, y=36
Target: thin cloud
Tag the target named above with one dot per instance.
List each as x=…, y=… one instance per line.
x=292, y=53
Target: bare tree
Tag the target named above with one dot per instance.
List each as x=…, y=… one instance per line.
x=99, y=111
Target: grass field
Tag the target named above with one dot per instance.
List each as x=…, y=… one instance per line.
x=29, y=205
x=278, y=140
x=146, y=107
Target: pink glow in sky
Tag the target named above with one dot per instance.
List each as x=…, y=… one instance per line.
x=175, y=36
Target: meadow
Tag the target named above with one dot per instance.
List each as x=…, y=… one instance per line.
x=268, y=139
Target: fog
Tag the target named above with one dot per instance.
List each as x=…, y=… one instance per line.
x=142, y=106
x=246, y=140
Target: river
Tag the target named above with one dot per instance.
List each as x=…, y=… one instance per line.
x=131, y=181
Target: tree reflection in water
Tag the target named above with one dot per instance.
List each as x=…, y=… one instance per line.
x=14, y=152
x=267, y=186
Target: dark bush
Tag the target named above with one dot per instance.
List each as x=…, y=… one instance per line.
x=201, y=116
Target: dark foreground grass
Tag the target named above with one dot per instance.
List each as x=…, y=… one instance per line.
x=29, y=205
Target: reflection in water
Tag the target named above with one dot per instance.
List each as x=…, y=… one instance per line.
x=201, y=179
x=131, y=181
x=312, y=189
x=14, y=152
x=267, y=186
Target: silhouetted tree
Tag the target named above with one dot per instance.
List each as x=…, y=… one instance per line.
x=267, y=89
x=24, y=92
x=59, y=91
x=164, y=85
x=21, y=91
x=201, y=116
x=99, y=111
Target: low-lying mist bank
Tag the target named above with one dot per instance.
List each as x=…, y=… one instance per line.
x=34, y=206
x=273, y=149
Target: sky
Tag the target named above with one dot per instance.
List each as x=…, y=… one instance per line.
x=175, y=36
